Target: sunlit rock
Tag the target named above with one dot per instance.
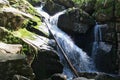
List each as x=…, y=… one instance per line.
x=12, y=62
x=4, y=3
x=11, y=18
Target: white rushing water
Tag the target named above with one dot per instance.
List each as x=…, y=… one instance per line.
x=80, y=60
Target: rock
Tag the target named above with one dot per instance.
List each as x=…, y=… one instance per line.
x=82, y=78
x=51, y=8
x=89, y=75
x=106, y=77
x=8, y=37
x=58, y=77
x=46, y=64
x=88, y=6
x=54, y=6
x=96, y=76
x=19, y=77
x=103, y=60
x=65, y=3
x=11, y=48
x=12, y=62
x=35, y=2
x=79, y=21
x=4, y=3
x=11, y=18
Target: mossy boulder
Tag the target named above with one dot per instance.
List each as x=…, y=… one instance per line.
x=12, y=38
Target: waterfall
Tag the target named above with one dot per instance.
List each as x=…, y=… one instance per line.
x=80, y=60
x=98, y=41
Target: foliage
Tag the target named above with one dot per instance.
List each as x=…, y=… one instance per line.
x=80, y=2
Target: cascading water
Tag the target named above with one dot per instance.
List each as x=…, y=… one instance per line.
x=78, y=58
x=98, y=42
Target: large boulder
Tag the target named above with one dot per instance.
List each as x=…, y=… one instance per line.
x=46, y=64
x=12, y=62
x=75, y=21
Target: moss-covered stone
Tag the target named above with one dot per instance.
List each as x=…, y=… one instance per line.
x=10, y=38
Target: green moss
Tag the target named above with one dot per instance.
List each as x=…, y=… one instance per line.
x=8, y=37
x=38, y=20
x=23, y=33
